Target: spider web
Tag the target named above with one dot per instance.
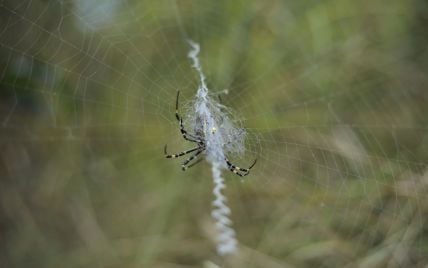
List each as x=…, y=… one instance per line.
x=332, y=96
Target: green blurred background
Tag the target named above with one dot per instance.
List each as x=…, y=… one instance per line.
x=333, y=95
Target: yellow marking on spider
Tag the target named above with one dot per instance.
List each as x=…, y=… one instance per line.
x=213, y=130
x=235, y=171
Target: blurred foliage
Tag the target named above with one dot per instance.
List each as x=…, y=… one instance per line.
x=334, y=95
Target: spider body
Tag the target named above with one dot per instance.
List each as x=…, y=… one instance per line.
x=199, y=138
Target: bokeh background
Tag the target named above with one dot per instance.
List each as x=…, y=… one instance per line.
x=333, y=95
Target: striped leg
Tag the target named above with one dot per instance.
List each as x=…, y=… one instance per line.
x=184, y=165
x=180, y=154
x=239, y=171
x=194, y=163
x=186, y=135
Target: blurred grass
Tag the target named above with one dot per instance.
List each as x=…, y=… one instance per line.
x=333, y=93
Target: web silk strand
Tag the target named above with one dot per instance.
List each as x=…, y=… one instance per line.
x=206, y=110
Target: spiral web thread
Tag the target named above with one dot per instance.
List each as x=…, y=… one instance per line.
x=218, y=130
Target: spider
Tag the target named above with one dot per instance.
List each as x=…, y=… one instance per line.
x=199, y=139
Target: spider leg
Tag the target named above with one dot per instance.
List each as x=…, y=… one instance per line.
x=179, y=154
x=184, y=165
x=199, y=160
x=186, y=135
x=239, y=171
